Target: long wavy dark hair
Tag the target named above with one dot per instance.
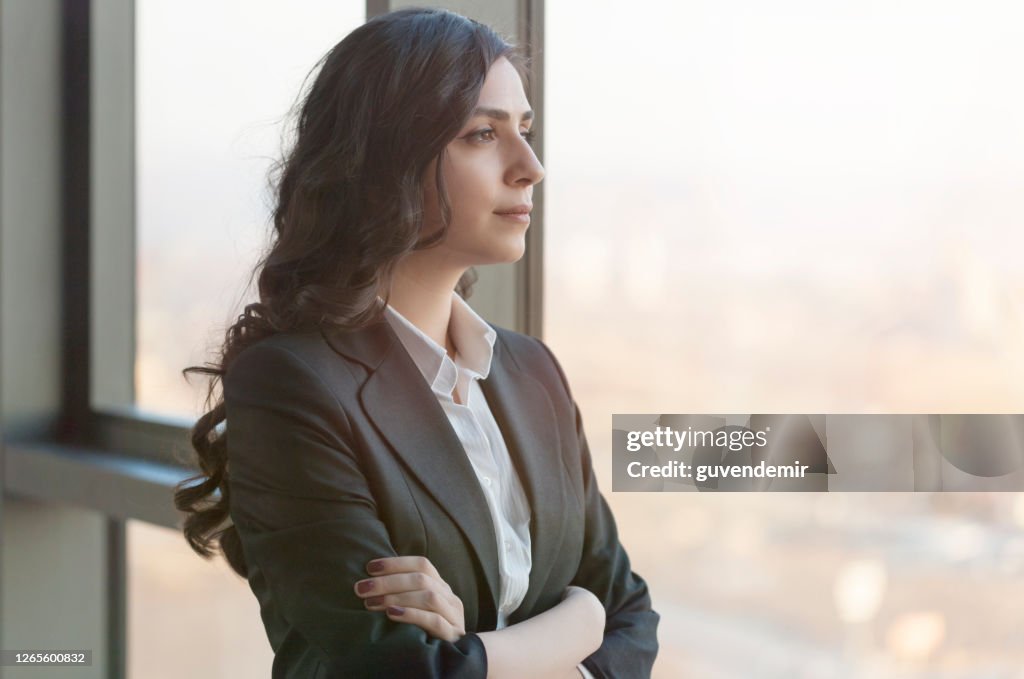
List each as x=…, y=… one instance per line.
x=349, y=197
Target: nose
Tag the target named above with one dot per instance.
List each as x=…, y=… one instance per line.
x=525, y=170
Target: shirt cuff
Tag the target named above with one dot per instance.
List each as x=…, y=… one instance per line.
x=584, y=671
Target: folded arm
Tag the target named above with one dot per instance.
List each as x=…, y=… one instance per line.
x=548, y=645
x=409, y=589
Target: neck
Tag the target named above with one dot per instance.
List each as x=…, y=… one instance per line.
x=422, y=293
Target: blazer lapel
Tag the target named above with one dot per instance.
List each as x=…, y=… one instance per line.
x=525, y=415
x=407, y=414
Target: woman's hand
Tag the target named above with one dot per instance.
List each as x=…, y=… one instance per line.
x=409, y=589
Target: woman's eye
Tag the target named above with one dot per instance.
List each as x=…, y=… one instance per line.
x=488, y=135
x=480, y=134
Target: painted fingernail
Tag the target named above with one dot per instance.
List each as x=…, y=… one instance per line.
x=374, y=601
x=364, y=586
x=396, y=610
x=375, y=567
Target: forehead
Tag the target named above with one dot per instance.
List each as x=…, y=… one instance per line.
x=504, y=89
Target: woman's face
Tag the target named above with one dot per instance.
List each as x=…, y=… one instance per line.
x=490, y=168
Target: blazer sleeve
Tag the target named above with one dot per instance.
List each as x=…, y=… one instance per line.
x=308, y=525
x=630, y=637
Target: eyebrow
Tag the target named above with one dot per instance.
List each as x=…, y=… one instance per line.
x=497, y=113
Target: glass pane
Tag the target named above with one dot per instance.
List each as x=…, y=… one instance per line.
x=214, y=81
x=796, y=207
x=188, y=617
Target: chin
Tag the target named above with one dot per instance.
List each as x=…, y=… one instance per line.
x=500, y=252
x=514, y=252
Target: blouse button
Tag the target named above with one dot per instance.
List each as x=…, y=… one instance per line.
x=508, y=545
x=487, y=481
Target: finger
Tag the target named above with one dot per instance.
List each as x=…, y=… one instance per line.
x=395, y=583
x=425, y=600
x=405, y=564
x=402, y=564
x=432, y=623
x=422, y=591
x=402, y=582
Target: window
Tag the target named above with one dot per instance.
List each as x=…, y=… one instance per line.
x=795, y=207
x=214, y=82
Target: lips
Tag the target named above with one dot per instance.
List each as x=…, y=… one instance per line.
x=517, y=210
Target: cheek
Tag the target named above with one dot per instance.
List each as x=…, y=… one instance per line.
x=471, y=188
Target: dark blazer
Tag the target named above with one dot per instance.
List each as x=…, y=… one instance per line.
x=339, y=452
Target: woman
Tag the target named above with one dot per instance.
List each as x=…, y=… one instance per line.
x=409, y=488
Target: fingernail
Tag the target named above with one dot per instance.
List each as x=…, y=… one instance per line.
x=396, y=610
x=375, y=567
x=374, y=601
x=364, y=586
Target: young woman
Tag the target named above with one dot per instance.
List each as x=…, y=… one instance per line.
x=409, y=489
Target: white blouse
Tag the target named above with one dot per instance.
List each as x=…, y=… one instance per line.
x=476, y=428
